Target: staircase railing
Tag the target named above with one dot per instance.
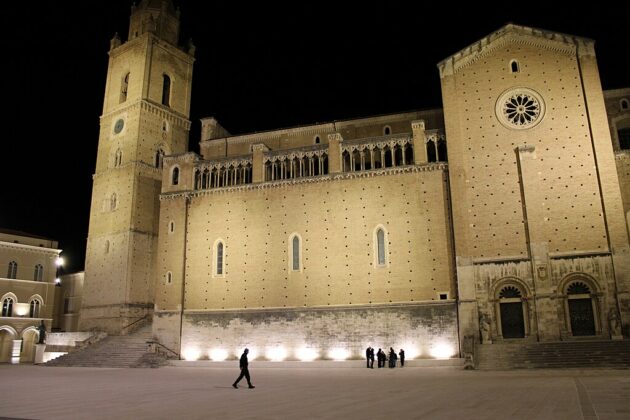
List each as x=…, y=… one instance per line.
x=159, y=348
x=127, y=328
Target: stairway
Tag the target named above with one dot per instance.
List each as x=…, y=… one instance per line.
x=111, y=352
x=562, y=354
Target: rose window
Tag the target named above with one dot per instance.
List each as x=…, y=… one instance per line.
x=520, y=108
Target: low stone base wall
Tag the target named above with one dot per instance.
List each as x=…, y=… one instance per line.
x=423, y=330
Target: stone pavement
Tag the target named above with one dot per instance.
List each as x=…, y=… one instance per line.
x=34, y=392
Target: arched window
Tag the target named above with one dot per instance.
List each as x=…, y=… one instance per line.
x=39, y=272
x=159, y=155
x=624, y=138
x=295, y=252
x=380, y=247
x=317, y=140
x=441, y=151
x=113, y=202
x=171, y=227
x=7, y=307
x=387, y=130
x=124, y=87
x=166, y=90
x=581, y=309
x=175, y=176
x=12, y=273
x=169, y=277
x=219, y=258
x=624, y=104
x=34, y=308
x=514, y=66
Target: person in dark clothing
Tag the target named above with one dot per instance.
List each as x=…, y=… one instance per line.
x=401, y=353
x=392, y=358
x=243, y=364
x=368, y=351
x=380, y=355
x=371, y=358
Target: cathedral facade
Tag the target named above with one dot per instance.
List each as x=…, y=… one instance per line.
x=499, y=217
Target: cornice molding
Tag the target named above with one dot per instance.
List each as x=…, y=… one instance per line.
x=30, y=248
x=175, y=118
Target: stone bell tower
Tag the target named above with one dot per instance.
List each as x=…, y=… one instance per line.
x=145, y=116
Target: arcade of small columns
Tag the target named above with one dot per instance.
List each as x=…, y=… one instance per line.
x=372, y=153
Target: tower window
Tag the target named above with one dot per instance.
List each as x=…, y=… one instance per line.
x=166, y=90
x=295, y=252
x=171, y=227
x=169, y=277
x=514, y=66
x=12, y=273
x=317, y=140
x=175, y=176
x=39, y=272
x=624, y=104
x=387, y=130
x=124, y=88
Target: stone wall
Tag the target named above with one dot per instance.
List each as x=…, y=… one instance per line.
x=322, y=333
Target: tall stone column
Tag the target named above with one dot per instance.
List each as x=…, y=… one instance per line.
x=334, y=153
x=258, y=163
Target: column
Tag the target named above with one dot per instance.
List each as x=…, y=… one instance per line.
x=419, y=139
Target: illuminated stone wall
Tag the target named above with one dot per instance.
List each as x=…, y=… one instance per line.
x=533, y=193
x=422, y=330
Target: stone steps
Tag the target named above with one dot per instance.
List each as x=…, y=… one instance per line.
x=573, y=354
x=112, y=351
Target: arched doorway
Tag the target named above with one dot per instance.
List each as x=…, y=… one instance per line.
x=6, y=345
x=511, y=312
x=29, y=337
x=581, y=313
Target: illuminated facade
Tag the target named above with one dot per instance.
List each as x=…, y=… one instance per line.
x=27, y=292
x=315, y=242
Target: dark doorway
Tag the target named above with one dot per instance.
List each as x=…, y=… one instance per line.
x=512, y=323
x=582, y=320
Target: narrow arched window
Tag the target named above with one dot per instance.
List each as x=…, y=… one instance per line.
x=159, y=155
x=175, y=176
x=219, y=259
x=317, y=140
x=387, y=130
x=514, y=66
x=166, y=90
x=12, y=273
x=624, y=104
x=171, y=227
x=294, y=252
x=39, y=272
x=34, y=308
x=380, y=244
x=124, y=87
x=169, y=277
x=7, y=307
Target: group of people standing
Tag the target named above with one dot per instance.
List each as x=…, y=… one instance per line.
x=382, y=357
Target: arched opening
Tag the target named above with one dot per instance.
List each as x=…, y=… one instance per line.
x=169, y=277
x=514, y=66
x=12, y=272
x=29, y=339
x=35, y=307
x=317, y=140
x=624, y=138
x=166, y=90
x=387, y=130
x=356, y=160
x=7, y=306
x=624, y=104
x=159, y=155
x=219, y=260
x=346, y=161
x=175, y=176
x=388, y=157
x=295, y=253
x=441, y=151
x=431, y=152
x=380, y=247
x=408, y=154
x=6, y=344
x=39, y=272
x=511, y=312
x=124, y=87
x=580, y=309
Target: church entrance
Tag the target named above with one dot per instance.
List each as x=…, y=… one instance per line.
x=512, y=322
x=581, y=309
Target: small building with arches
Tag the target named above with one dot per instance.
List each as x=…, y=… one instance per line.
x=27, y=292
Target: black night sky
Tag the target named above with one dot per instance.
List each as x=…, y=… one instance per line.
x=259, y=66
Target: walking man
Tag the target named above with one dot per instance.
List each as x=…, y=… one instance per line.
x=371, y=358
x=367, y=356
x=243, y=364
x=402, y=357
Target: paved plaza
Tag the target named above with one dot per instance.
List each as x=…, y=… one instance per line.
x=34, y=392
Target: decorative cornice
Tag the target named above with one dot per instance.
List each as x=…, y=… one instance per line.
x=175, y=118
x=30, y=248
x=578, y=254
x=297, y=150
x=140, y=167
x=500, y=260
x=418, y=125
x=182, y=157
x=438, y=166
